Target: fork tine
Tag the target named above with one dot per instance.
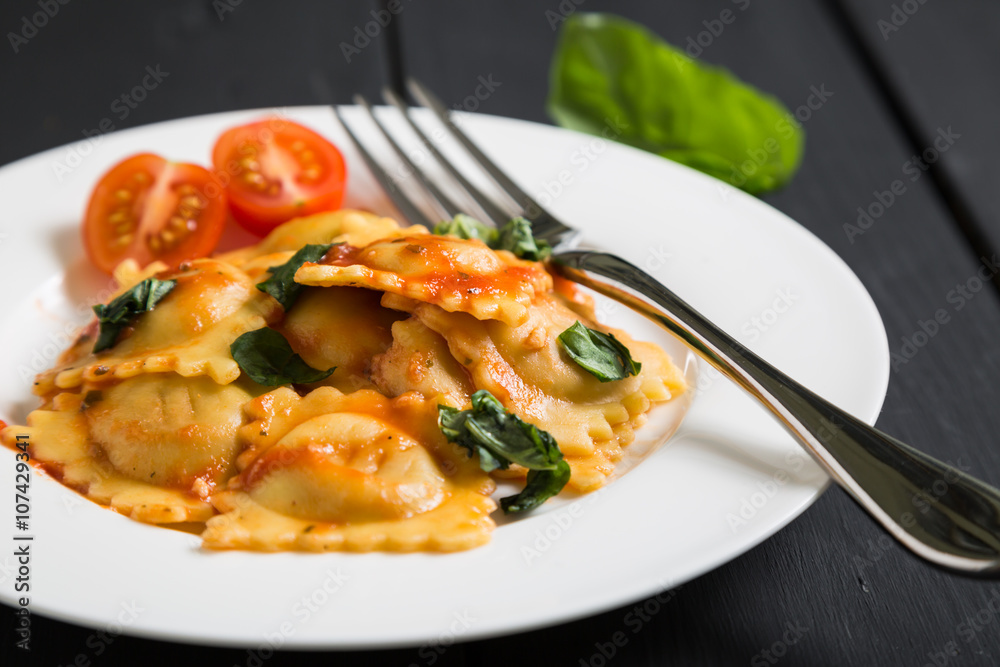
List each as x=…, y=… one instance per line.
x=409, y=210
x=450, y=207
x=544, y=223
x=493, y=211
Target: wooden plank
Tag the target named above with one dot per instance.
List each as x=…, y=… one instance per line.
x=830, y=571
x=212, y=56
x=937, y=63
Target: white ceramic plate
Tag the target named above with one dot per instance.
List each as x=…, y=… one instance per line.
x=727, y=480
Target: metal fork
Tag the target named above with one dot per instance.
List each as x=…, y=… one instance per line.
x=956, y=527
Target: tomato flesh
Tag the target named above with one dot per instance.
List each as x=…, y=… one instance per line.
x=146, y=208
x=276, y=170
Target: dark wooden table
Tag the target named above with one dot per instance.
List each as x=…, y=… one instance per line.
x=897, y=72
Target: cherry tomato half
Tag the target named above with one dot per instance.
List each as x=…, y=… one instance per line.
x=275, y=170
x=146, y=208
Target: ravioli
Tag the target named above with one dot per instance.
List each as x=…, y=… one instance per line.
x=152, y=448
x=128, y=274
x=343, y=327
x=357, y=228
x=419, y=360
x=189, y=332
x=525, y=368
x=350, y=471
x=169, y=430
x=459, y=275
x=164, y=427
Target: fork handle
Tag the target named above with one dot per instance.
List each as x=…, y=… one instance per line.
x=937, y=511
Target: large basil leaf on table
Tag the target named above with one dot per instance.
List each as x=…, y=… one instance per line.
x=614, y=78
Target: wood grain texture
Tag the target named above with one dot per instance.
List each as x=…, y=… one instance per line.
x=938, y=64
x=72, y=73
x=853, y=598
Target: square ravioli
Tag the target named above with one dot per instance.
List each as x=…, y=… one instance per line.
x=289, y=404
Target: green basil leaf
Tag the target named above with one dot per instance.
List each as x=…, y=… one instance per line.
x=501, y=438
x=505, y=437
x=281, y=285
x=615, y=78
x=516, y=237
x=118, y=314
x=541, y=485
x=268, y=359
x=601, y=354
x=466, y=227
